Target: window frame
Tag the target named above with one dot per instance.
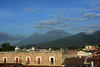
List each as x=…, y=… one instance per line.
x=29, y=60
x=15, y=59
x=3, y=59
x=53, y=60
x=37, y=59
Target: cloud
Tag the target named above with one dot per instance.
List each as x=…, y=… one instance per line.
x=59, y=14
x=92, y=15
x=64, y=14
x=51, y=15
x=93, y=29
x=59, y=21
x=77, y=29
x=90, y=32
x=73, y=29
x=95, y=9
x=30, y=18
x=30, y=10
x=87, y=28
x=80, y=19
x=93, y=26
x=42, y=27
x=63, y=18
x=79, y=9
x=73, y=9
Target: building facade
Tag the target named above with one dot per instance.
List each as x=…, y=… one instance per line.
x=90, y=47
x=32, y=58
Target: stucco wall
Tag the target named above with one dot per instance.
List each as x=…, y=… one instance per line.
x=44, y=58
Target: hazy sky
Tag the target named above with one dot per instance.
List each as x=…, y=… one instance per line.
x=29, y=16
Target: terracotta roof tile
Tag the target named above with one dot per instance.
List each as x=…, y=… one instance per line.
x=73, y=61
x=97, y=64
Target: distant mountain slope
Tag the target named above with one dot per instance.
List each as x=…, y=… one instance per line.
x=7, y=37
x=80, y=39
x=4, y=37
x=40, y=38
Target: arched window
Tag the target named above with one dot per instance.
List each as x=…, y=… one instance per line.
x=51, y=60
x=28, y=60
x=4, y=59
x=38, y=60
x=16, y=59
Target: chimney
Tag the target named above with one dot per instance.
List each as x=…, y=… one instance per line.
x=33, y=48
x=49, y=49
x=16, y=48
x=91, y=64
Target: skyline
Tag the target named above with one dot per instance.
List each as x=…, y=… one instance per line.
x=25, y=17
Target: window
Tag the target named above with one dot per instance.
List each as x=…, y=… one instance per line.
x=4, y=59
x=38, y=60
x=27, y=60
x=16, y=59
x=51, y=60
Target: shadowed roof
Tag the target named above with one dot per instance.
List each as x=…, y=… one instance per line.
x=74, y=60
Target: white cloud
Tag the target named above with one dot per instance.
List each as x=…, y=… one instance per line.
x=59, y=21
x=90, y=31
x=80, y=19
x=93, y=26
x=73, y=9
x=30, y=18
x=30, y=10
x=92, y=15
x=95, y=9
x=74, y=29
x=42, y=26
x=63, y=18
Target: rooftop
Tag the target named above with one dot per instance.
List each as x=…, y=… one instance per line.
x=74, y=60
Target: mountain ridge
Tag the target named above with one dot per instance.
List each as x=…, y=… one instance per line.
x=40, y=38
x=80, y=40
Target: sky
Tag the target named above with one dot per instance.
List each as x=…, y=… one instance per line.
x=25, y=17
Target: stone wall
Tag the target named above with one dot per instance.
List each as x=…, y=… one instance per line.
x=44, y=58
x=71, y=53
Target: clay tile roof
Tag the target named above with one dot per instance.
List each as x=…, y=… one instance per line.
x=97, y=57
x=96, y=60
x=73, y=61
x=98, y=64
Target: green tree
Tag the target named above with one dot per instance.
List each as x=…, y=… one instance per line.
x=72, y=47
x=6, y=47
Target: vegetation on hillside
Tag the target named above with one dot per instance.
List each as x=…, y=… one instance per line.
x=79, y=40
